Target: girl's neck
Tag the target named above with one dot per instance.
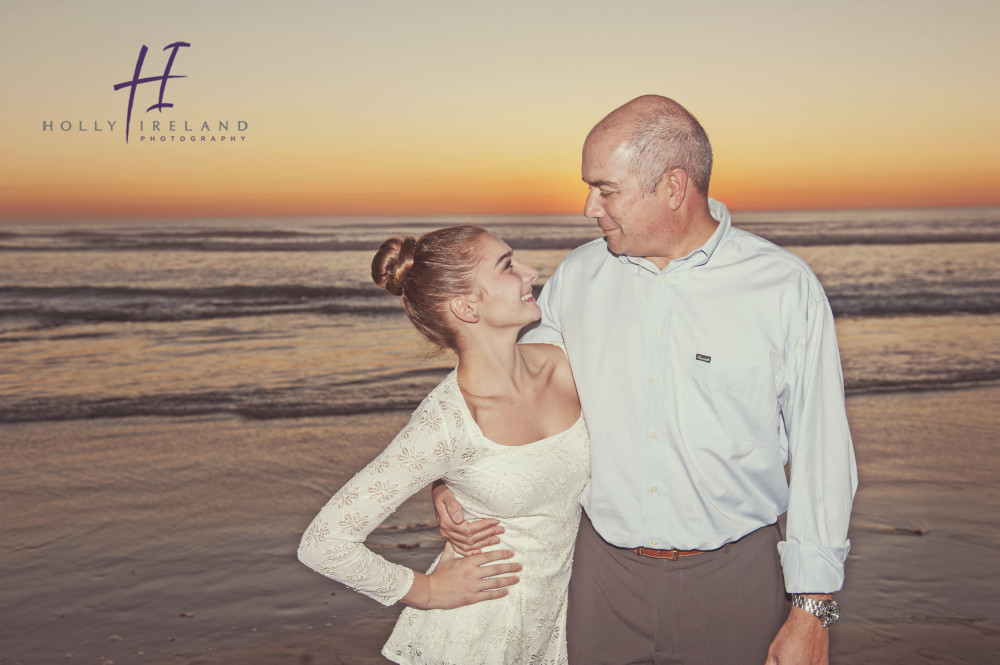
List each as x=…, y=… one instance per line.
x=491, y=367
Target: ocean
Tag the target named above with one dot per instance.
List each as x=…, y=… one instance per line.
x=126, y=318
x=178, y=399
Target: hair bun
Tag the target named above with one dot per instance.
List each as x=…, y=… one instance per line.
x=392, y=263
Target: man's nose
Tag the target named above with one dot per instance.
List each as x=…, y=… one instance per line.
x=592, y=207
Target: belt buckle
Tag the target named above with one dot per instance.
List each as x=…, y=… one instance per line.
x=674, y=555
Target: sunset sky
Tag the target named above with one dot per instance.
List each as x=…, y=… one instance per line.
x=473, y=107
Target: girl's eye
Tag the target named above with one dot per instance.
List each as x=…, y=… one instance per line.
x=507, y=265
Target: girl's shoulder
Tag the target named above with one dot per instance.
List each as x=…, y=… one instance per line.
x=542, y=355
x=550, y=361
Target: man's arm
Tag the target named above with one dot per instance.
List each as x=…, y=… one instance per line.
x=802, y=639
x=823, y=480
x=822, y=470
x=467, y=538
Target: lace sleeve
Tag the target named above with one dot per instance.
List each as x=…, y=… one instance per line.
x=334, y=543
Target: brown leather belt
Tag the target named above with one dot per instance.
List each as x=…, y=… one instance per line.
x=673, y=555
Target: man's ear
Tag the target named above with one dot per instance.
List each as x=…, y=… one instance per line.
x=673, y=187
x=463, y=310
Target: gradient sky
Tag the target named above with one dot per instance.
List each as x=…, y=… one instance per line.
x=474, y=107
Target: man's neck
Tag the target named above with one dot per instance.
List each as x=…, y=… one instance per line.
x=697, y=232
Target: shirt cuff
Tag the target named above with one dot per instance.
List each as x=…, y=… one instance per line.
x=390, y=596
x=812, y=568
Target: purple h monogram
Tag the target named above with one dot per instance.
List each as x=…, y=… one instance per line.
x=149, y=79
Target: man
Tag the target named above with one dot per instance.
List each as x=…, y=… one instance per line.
x=705, y=359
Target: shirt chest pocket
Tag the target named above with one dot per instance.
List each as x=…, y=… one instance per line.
x=728, y=407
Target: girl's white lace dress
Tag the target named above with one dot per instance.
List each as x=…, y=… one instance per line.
x=534, y=490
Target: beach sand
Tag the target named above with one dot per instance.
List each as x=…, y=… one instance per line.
x=173, y=541
x=359, y=643
x=355, y=643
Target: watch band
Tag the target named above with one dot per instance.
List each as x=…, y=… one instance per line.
x=827, y=611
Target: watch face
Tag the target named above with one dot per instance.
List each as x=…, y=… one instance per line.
x=831, y=612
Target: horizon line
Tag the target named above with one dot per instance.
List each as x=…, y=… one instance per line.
x=453, y=214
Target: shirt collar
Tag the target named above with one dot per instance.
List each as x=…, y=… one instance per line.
x=721, y=214
x=700, y=256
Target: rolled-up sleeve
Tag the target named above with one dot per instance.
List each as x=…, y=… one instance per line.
x=823, y=471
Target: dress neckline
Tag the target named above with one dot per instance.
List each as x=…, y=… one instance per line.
x=453, y=378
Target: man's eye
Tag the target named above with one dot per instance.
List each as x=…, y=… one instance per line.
x=606, y=194
x=507, y=265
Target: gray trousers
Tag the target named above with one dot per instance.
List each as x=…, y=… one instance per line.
x=716, y=608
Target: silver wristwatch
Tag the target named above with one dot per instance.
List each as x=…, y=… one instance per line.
x=827, y=611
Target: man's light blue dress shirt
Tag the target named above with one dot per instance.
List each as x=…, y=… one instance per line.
x=699, y=382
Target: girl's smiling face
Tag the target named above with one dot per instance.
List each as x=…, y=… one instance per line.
x=504, y=286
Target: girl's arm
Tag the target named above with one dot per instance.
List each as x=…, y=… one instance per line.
x=333, y=545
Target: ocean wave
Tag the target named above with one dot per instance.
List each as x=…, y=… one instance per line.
x=394, y=392
x=948, y=299
x=520, y=237
x=50, y=307
x=354, y=397
x=282, y=292
x=786, y=239
x=39, y=308
x=295, y=243
x=956, y=381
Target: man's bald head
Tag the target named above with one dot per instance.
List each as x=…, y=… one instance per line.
x=659, y=135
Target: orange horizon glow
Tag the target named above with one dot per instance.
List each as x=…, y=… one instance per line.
x=488, y=194
x=483, y=109
x=97, y=205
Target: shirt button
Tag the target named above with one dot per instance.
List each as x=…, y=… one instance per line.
x=658, y=329
x=654, y=489
x=654, y=542
x=654, y=382
x=663, y=279
x=652, y=435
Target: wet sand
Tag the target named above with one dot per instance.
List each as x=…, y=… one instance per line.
x=359, y=643
x=172, y=541
x=356, y=643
